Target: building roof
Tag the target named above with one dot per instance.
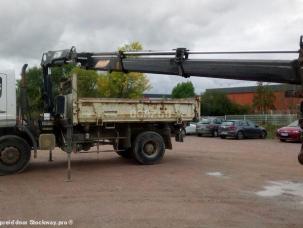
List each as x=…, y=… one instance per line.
x=252, y=89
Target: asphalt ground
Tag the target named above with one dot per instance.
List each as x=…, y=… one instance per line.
x=203, y=182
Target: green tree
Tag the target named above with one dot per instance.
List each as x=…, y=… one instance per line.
x=34, y=90
x=87, y=82
x=183, y=90
x=122, y=85
x=214, y=103
x=264, y=99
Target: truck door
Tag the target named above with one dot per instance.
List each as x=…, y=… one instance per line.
x=3, y=102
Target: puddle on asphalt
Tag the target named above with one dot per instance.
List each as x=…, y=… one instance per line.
x=278, y=188
x=215, y=174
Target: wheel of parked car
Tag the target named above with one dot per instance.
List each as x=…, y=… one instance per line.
x=283, y=140
x=240, y=135
x=215, y=134
x=149, y=148
x=222, y=136
x=199, y=135
x=263, y=135
x=300, y=158
x=15, y=154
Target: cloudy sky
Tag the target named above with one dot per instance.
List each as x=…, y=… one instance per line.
x=28, y=28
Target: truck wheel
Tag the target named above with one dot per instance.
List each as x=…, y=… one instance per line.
x=149, y=148
x=15, y=154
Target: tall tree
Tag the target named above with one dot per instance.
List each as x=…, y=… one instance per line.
x=122, y=85
x=183, y=90
x=264, y=99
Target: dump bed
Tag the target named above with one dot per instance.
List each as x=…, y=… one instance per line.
x=120, y=110
x=115, y=110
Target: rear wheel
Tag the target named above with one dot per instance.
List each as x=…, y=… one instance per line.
x=240, y=135
x=149, y=148
x=283, y=140
x=263, y=135
x=222, y=136
x=15, y=154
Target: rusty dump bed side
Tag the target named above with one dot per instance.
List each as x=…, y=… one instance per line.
x=116, y=110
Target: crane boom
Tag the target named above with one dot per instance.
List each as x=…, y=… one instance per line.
x=177, y=62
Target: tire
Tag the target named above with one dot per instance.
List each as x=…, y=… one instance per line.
x=263, y=135
x=222, y=136
x=300, y=158
x=283, y=140
x=15, y=154
x=199, y=135
x=240, y=135
x=149, y=148
x=215, y=134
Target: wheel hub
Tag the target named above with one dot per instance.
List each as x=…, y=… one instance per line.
x=10, y=155
x=149, y=148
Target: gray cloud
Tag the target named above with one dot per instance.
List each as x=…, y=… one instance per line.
x=30, y=27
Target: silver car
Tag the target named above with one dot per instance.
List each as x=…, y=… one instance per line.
x=208, y=126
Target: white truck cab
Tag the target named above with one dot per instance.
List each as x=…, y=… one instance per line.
x=7, y=99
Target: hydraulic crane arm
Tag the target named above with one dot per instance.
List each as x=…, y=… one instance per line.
x=177, y=62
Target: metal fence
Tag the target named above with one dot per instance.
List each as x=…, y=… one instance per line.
x=261, y=119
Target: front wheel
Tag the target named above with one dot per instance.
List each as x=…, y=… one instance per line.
x=149, y=148
x=15, y=154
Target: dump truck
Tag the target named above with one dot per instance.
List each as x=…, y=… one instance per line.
x=140, y=129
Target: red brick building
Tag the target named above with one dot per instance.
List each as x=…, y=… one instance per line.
x=245, y=95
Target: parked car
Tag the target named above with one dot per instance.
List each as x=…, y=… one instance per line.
x=191, y=128
x=208, y=126
x=292, y=132
x=241, y=129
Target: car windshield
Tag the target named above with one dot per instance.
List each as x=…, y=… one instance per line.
x=294, y=124
x=205, y=121
x=228, y=123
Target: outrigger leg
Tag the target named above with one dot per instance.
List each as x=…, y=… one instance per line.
x=69, y=151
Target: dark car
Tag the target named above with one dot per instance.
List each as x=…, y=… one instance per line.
x=241, y=129
x=292, y=132
x=208, y=126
